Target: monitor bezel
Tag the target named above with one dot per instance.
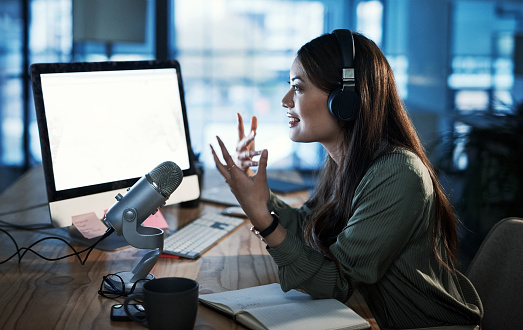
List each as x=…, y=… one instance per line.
x=39, y=69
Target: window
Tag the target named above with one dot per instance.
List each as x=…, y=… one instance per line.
x=370, y=17
x=49, y=41
x=11, y=125
x=482, y=67
x=235, y=57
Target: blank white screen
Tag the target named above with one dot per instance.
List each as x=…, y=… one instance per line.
x=112, y=125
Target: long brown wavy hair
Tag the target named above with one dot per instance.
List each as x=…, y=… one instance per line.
x=382, y=117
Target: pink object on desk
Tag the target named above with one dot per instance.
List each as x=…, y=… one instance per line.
x=156, y=220
x=89, y=225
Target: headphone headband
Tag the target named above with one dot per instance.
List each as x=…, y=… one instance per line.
x=346, y=43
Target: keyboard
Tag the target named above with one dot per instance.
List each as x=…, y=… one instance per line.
x=200, y=234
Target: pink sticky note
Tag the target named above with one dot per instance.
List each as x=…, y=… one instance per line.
x=156, y=220
x=89, y=225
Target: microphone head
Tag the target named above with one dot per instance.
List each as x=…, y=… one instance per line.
x=165, y=178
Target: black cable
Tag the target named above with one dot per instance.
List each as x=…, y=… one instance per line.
x=75, y=253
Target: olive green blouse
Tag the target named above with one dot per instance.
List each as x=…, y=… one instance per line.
x=385, y=251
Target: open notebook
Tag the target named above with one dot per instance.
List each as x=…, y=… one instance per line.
x=268, y=307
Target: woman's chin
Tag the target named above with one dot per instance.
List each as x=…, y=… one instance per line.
x=293, y=137
x=297, y=138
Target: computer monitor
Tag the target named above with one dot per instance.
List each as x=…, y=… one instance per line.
x=104, y=125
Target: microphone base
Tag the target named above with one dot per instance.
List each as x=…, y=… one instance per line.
x=127, y=284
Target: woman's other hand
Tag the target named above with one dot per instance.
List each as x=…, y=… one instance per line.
x=245, y=146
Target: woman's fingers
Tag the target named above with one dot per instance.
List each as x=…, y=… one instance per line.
x=243, y=144
x=254, y=124
x=244, y=159
x=241, y=130
x=221, y=168
x=242, y=141
x=261, y=174
x=226, y=156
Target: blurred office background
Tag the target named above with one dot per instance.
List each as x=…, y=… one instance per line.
x=453, y=60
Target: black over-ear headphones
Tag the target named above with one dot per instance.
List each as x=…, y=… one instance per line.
x=344, y=102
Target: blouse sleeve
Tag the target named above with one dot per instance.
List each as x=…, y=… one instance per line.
x=391, y=203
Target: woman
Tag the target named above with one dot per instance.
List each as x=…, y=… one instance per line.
x=379, y=220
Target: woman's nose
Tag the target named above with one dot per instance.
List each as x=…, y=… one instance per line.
x=287, y=101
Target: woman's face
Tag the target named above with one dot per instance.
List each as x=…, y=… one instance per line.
x=309, y=116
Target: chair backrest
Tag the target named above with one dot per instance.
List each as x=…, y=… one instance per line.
x=497, y=273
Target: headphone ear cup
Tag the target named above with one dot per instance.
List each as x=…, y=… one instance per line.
x=334, y=102
x=344, y=105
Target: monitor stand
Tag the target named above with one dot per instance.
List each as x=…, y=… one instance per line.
x=110, y=243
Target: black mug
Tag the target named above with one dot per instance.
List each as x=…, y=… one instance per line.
x=170, y=303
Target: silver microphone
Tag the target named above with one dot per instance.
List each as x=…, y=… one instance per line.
x=127, y=214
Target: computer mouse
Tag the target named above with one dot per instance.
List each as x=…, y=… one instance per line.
x=234, y=211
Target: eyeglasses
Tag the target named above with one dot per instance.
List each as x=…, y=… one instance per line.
x=113, y=286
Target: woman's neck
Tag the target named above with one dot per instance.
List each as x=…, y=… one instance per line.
x=335, y=149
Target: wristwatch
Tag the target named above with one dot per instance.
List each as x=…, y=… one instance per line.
x=267, y=231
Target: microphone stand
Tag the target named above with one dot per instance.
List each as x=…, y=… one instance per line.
x=142, y=238
x=127, y=222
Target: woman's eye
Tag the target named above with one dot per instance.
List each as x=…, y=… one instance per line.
x=296, y=88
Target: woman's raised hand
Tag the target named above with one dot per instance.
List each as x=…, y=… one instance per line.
x=245, y=146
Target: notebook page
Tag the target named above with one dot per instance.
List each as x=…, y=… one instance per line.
x=259, y=296
x=318, y=314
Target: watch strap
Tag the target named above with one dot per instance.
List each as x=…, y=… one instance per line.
x=267, y=231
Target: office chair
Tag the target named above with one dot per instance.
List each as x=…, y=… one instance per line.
x=497, y=273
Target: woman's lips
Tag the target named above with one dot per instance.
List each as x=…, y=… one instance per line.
x=293, y=121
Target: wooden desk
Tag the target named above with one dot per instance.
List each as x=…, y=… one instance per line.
x=39, y=294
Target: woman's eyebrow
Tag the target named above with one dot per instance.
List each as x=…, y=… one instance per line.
x=296, y=78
